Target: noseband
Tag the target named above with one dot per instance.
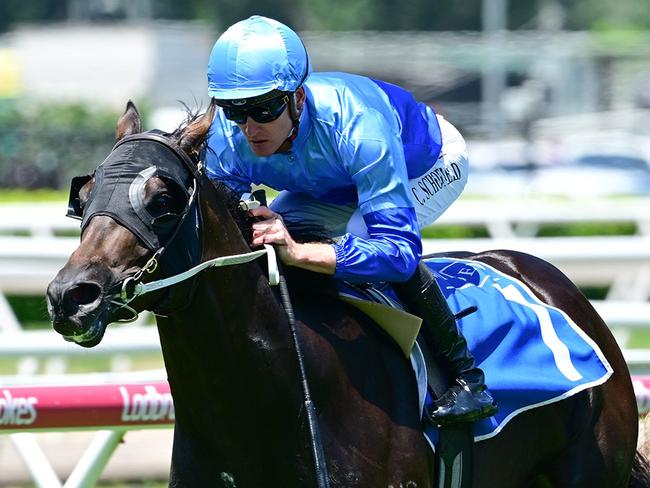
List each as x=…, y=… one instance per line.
x=132, y=215
x=132, y=286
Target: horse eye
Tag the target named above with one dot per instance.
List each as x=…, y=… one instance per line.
x=166, y=201
x=163, y=202
x=164, y=197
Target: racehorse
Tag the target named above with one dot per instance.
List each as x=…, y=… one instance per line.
x=150, y=212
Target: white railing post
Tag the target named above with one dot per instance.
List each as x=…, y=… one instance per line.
x=89, y=402
x=8, y=320
x=94, y=459
x=37, y=464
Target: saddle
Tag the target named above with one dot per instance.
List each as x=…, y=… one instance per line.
x=380, y=303
x=532, y=353
x=452, y=445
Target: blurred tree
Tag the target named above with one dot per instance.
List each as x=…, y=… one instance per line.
x=523, y=14
x=223, y=13
x=393, y=15
x=287, y=11
x=12, y=11
x=428, y=15
x=44, y=145
x=604, y=14
x=361, y=14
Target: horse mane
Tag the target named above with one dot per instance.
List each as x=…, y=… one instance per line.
x=190, y=117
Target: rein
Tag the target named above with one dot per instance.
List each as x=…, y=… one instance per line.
x=132, y=287
x=275, y=278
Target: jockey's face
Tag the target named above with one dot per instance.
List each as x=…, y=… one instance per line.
x=266, y=138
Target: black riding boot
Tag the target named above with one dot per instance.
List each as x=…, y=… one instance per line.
x=467, y=399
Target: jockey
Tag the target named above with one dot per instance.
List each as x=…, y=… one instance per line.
x=357, y=155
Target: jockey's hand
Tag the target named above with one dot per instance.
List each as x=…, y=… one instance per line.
x=271, y=230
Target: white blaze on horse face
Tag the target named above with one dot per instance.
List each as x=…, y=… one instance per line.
x=560, y=351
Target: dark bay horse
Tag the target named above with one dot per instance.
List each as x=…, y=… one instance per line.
x=233, y=372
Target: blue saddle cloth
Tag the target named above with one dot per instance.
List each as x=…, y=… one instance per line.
x=532, y=354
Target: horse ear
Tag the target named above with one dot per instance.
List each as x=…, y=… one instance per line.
x=193, y=135
x=129, y=123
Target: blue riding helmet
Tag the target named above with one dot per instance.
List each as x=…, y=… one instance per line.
x=254, y=57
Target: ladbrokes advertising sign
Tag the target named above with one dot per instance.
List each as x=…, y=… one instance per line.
x=17, y=410
x=61, y=407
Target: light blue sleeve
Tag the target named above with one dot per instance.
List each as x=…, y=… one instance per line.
x=221, y=161
x=373, y=155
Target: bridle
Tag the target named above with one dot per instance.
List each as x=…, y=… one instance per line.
x=134, y=286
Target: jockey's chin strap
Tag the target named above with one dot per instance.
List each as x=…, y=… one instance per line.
x=294, y=113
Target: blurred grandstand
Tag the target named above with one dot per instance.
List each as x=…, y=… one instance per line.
x=553, y=84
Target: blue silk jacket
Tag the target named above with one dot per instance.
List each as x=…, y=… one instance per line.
x=359, y=141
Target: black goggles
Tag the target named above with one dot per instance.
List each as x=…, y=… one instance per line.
x=262, y=112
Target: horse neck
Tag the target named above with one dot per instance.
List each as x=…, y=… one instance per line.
x=233, y=329
x=236, y=292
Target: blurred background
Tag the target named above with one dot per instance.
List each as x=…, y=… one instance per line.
x=553, y=97
x=536, y=84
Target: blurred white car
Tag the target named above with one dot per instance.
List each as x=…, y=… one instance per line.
x=502, y=180
x=589, y=175
x=594, y=175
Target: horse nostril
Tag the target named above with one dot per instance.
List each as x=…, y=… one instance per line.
x=80, y=294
